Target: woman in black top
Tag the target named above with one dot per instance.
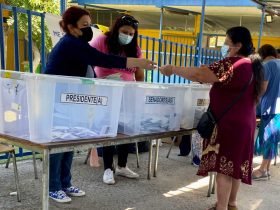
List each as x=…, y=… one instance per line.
x=71, y=57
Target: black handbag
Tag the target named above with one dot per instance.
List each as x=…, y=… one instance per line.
x=208, y=121
x=206, y=124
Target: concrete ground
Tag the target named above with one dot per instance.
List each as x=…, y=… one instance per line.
x=176, y=187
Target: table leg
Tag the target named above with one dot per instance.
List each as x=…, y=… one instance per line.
x=150, y=159
x=172, y=143
x=45, y=180
x=156, y=158
x=137, y=154
x=35, y=164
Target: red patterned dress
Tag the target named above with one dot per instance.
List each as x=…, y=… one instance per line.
x=230, y=149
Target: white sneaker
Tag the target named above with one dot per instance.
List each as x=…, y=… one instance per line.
x=126, y=172
x=108, y=176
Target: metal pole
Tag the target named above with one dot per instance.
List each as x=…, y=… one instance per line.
x=201, y=32
x=45, y=180
x=16, y=48
x=35, y=164
x=261, y=27
x=171, y=145
x=160, y=40
x=161, y=23
x=30, y=54
x=16, y=177
x=150, y=159
x=137, y=154
x=2, y=40
x=210, y=184
x=43, y=60
x=62, y=6
x=156, y=158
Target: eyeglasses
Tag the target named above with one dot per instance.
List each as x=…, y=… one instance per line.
x=127, y=20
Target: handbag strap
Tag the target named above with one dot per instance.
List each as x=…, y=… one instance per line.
x=236, y=99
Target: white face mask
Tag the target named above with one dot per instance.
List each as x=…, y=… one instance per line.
x=124, y=39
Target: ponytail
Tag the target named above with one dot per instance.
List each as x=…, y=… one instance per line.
x=258, y=76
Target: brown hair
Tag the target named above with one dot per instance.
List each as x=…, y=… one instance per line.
x=267, y=50
x=71, y=16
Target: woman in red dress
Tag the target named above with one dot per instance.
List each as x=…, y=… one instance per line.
x=229, y=151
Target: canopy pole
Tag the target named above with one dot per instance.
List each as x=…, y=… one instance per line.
x=201, y=33
x=261, y=27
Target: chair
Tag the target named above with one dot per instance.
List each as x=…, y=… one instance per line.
x=174, y=138
x=212, y=175
x=11, y=151
x=34, y=163
x=137, y=155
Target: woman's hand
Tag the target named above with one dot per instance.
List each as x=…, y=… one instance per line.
x=166, y=70
x=141, y=63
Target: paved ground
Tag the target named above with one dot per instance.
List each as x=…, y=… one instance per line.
x=176, y=187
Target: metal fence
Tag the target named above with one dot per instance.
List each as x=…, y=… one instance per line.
x=167, y=52
x=161, y=51
x=15, y=11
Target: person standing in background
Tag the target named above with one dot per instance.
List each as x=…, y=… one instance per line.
x=120, y=40
x=278, y=53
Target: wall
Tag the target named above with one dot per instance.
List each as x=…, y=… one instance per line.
x=274, y=41
x=189, y=38
x=10, y=64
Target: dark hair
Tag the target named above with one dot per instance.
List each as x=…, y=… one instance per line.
x=278, y=50
x=267, y=50
x=71, y=16
x=242, y=35
x=112, y=40
x=258, y=75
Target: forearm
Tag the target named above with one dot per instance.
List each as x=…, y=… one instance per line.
x=139, y=75
x=131, y=62
x=196, y=74
x=189, y=73
x=97, y=58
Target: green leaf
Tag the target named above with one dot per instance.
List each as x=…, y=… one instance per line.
x=48, y=6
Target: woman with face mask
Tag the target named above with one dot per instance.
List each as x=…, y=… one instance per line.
x=120, y=40
x=229, y=151
x=71, y=57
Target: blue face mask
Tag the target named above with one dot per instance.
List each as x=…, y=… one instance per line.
x=124, y=39
x=225, y=50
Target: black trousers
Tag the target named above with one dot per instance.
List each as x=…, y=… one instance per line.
x=108, y=154
x=185, y=145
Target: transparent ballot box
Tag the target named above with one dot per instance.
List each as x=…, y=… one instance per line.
x=196, y=102
x=150, y=108
x=45, y=108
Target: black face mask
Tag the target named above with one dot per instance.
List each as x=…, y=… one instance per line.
x=87, y=34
